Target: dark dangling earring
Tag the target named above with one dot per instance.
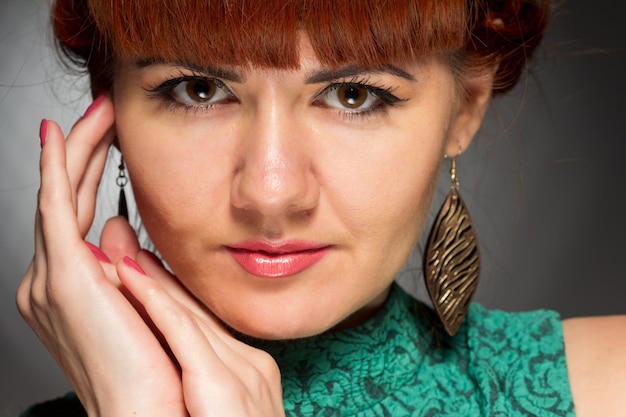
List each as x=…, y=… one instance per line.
x=452, y=260
x=122, y=180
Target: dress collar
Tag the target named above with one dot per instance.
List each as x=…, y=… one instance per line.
x=358, y=366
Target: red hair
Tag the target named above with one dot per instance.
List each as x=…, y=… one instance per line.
x=477, y=34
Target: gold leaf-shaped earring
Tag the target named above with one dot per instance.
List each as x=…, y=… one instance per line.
x=452, y=259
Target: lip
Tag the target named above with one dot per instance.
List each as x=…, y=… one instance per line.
x=276, y=259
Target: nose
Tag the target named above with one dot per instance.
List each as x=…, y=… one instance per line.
x=275, y=172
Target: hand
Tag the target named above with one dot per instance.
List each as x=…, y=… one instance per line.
x=96, y=329
x=220, y=375
x=71, y=298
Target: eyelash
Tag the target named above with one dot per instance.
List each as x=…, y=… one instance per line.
x=165, y=90
x=385, y=94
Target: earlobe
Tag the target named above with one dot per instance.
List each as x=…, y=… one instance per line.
x=475, y=98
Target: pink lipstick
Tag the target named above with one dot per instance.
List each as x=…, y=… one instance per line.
x=276, y=260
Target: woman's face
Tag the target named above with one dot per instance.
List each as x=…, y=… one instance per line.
x=287, y=200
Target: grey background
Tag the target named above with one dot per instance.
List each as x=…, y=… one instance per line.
x=544, y=179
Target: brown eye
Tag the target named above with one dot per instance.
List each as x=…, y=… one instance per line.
x=352, y=96
x=200, y=91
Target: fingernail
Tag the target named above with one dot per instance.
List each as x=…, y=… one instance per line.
x=102, y=257
x=153, y=257
x=94, y=105
x=43, y=132
x=128, y=261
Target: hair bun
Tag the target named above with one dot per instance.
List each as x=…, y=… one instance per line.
x=508, y=33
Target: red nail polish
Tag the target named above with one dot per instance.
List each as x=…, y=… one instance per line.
x=94, y=105
x=153, y=257
x=43, y=132
x=133, y=265
x=102, y=257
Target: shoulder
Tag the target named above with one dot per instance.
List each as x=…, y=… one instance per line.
x=596, y=359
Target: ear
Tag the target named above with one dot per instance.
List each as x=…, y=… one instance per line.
x=474, y=98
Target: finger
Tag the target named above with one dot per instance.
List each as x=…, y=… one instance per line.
x=64, y=246
x=176, y=323
x=88, y=187
x=155, y=270
x=39, y=259
x=26, y=288
x=118, y=239
x=57, y=214
x=40, y=250
x=55, y=222
x=169, y=310
x=85, y=136
x=213, y=373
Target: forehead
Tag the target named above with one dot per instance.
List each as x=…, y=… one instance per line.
x=268, y=33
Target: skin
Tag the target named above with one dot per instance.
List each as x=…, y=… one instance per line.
x=596, y=359
x=274, y=164
x=106, y=321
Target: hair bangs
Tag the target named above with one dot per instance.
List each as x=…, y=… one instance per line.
x=373, y=33
x=266, y=33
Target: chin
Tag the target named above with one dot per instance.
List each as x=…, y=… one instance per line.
x=285, y=328
x=268, y=334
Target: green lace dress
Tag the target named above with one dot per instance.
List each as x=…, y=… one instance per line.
x=499, y=364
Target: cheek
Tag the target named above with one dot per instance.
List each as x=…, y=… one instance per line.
x=387, y=191
x=176, y=181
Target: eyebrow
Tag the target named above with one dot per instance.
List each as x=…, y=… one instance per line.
x=321, y=76
x=211, y=71
x=314, y=77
